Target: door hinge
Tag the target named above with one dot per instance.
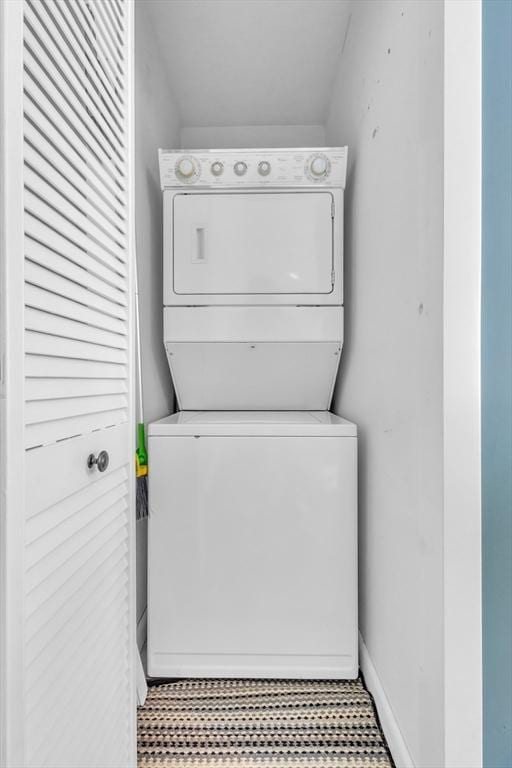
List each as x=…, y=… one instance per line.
x=332, y=208
x=333, y=277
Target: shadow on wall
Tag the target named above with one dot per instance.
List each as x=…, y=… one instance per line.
x=349, y=291
x=348, y=280
x=155, y=235
x=156, y=381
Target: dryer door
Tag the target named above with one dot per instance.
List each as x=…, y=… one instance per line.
x=253, y=243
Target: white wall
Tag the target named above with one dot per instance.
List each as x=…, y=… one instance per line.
x=387, y=105
x=251, y=62
x=156, y=125
x=464, y=109
x=226, y=136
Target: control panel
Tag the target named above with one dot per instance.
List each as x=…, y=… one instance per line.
x=317, y=166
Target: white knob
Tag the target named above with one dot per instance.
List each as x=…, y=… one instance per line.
x=240, y=168
x=264, y=168
x=217, y=168
x=186, y=168
x=319, y=166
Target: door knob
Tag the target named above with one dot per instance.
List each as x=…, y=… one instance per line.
x=101, y=461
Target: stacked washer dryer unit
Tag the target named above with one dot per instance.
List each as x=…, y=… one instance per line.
x=253, y=501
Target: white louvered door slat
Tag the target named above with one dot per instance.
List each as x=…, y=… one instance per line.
x=116, y=21
x=43, y=366
x=66, y=221
x=41, y=321
x=41, y=148
x=84, y=271
x=51, y=133
x=93, y=33
x=77, y=633
x=41, y=110
x=71, y=288
x=69, y=109
x=77, y=98
x=42, y=30
x=62, y=176
x=67, y=24
x=61, y=305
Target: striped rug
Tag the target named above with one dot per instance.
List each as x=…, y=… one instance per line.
x=260, y=724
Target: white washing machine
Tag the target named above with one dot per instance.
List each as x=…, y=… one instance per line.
x=253, y=545
x=252, y=486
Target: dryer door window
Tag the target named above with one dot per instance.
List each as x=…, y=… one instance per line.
x=250, y=243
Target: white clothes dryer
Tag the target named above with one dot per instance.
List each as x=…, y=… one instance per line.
x=253, y=276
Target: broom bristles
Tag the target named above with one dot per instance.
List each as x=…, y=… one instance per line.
x=142, y=497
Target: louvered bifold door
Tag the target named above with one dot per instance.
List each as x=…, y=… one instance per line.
x=78, y=601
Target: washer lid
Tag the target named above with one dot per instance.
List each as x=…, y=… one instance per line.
x=261, y=423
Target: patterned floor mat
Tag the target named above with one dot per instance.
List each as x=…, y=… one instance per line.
x=260, y=724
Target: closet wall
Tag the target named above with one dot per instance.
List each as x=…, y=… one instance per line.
x=156, y=125
x=226, y=136
x=387, y=105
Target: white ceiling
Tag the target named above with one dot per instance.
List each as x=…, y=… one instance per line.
x=250, y=62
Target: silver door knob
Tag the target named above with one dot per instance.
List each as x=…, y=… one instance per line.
x=100, y=461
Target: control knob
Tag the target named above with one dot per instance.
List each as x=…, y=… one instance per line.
x=264, y=168
x=240, y=168
x=318, y=167
x=217, y=168
x=187, y=169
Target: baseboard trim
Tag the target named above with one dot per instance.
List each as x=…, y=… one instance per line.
x=394, y=738
x=142, y=630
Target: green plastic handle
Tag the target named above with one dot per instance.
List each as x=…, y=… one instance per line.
x=142, y=454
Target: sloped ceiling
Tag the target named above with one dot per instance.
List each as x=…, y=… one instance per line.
x=250, y=62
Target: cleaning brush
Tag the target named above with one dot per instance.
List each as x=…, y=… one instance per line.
x=141, y=455
x=141, y=472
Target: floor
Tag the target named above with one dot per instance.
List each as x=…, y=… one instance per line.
x=260, y=724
